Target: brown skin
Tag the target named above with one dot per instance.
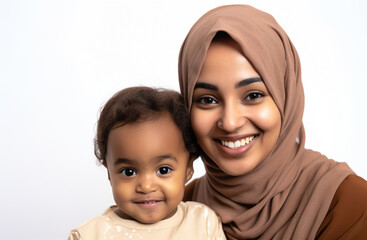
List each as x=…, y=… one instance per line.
x=223, y=110
x=148, y=166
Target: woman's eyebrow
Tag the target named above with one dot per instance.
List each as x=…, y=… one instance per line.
x=248, y=81
x=206, y=86
x=238, y=85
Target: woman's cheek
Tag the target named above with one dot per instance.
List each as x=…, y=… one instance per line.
x=202, y=122
x=196, y=121
x=269, y=117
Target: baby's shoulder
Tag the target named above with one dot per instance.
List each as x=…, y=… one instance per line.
x=202, y=221
x=192, y=205
x=92, y=227
x=196, y=209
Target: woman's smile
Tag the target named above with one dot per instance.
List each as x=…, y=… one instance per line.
x=237, y=143
x=237, y=148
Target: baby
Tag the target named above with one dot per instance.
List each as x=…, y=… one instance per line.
x=145, y=141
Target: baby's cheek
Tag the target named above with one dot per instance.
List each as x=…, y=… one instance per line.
x=175, y=189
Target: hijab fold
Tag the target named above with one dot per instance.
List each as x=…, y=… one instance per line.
x=289, y=193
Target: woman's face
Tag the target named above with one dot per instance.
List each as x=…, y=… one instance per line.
x=235, y=120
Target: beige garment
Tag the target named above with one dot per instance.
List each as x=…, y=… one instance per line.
x=191, y=221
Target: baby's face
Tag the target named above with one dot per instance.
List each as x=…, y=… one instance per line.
x=148, y=167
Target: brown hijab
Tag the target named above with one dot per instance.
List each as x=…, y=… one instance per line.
x=289, y=193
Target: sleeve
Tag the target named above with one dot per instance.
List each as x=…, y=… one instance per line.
x=189, y=191
x=347, y=215
x=74, y=235
x=214, y=226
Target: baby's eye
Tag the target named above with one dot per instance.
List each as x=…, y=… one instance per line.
x=254, y=96
x=206, y=100
x=164, y=170
x=128, y=172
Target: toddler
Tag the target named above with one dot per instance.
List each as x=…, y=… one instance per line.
x=145, y=141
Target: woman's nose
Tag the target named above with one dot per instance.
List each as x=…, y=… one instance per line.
x=232, y=117
x=146, y=184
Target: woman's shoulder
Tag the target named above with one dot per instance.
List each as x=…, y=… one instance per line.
x=347, y=214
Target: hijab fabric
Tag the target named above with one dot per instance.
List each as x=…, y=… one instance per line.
x=289, y=193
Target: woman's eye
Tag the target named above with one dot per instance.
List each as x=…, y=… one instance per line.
x=254, y=96
x=128, y=172
x=164, y=170
x=207, y=100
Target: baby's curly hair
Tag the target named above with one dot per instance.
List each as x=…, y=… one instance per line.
x=138, y=104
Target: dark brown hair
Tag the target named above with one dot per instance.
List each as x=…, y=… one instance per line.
x=138, y=104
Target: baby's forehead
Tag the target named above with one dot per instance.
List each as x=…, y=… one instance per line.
x=148, y=117
x=155, y=139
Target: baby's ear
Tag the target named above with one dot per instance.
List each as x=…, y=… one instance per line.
x=189, y=170
x=108, y=172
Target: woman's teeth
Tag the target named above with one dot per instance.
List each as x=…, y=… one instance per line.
x=238, y=143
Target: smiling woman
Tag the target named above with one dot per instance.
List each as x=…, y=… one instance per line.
x=235, y=119
x=241, y=77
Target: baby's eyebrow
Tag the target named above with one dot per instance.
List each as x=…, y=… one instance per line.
x=165, y=156
x=124, y=161
x=156, y=159
x=248, y=81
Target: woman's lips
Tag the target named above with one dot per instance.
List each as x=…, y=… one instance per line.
x=238, y=147
x=238, y=143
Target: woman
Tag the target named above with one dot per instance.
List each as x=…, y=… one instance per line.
x=240, y=76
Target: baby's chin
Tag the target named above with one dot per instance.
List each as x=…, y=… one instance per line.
x=143, y=219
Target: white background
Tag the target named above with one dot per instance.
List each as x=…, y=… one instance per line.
x=60, y=61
